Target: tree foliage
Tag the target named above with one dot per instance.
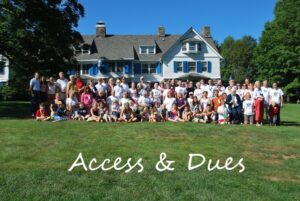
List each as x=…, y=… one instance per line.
x=238, y=55
x=38, y=35
x=278, y=52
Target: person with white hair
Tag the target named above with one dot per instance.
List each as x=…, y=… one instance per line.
x=266, y=93
x=258, y=98
x=118, y=89
x=62, y=85
x=198, y=91
x=234, y=105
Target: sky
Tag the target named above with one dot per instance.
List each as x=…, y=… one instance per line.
x=225, y=17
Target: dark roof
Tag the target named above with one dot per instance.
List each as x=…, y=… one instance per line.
x=118, y=47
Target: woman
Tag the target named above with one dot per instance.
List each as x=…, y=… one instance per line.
x=258, y=97
x=71, y=87
x=86, y=98
x=174, y=115
x=52, y=89
x=44, y=90
x=127, y=115
x=181, y=103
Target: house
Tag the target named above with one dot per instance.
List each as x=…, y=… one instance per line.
x=4, y=70
x=155, y=57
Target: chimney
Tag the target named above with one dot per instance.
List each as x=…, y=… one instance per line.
x=206, y=31
x=161, y=31
x=100, y=29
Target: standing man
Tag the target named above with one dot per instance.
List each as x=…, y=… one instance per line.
x=266, y=93
x=62, y=83
x=35, y=89
x=276, y=95
x=209, y=88
x=235, y=104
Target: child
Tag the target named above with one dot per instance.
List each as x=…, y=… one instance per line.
x=273, y=113
x=127, y=115
x=81, y=113
x=115, y=111
x=145, y=114
x=207, y=114
x=187, y=114
x=174, y=115
x=248, y=107
x=94, y=114
x=195, y=104
x=196, y=115
x=223, y=113
x=162, y=113
x=57, y=112
x=72, y=102
x=153, y=114
x=103, y=112
x=204, y=101
x=41, y=114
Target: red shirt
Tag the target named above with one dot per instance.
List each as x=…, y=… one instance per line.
x=79, y=84
x=40, y=113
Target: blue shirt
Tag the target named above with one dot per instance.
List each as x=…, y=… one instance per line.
x=35, y=84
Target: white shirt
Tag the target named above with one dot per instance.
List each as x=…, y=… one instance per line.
x=110, y=101
x=166, y=91
x=248, y=91
x=156, y=95
x=198, y=93
x=210, y=90
x=204, y=102
x=118, y=91
x=62, y=84
x=257, y=93
x=132, y=91
x=72, y=101
x=266, y=94
x=190, y=102
x=180, y=90
x=169, y=102
x=275, y=95
x=125, y=87
x=144, y=101
x=248, y=107
x=51, y=88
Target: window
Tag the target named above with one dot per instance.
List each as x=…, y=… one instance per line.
x=120, y=66
x=152, y=68
x=192, y=66
x=192, y=46
x=179, y=66
x=204, y=66
x=145, y=68
x=111, y=67
x=85, y=69
x=147, y=50
x=199, y=47
x=184, y=47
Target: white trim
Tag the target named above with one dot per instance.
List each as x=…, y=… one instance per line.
x=147, y=49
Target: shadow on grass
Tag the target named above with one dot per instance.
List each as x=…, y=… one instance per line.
x=14, y=110
x=290, y=123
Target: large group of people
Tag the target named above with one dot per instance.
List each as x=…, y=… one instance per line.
x=115, y=100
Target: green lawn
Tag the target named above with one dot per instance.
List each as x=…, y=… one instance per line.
x=35, y=158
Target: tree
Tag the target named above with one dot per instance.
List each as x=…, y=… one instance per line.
x=39, y=35
x=278, y=52
x=238, y=55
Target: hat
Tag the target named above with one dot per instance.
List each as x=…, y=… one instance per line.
x=191, y=93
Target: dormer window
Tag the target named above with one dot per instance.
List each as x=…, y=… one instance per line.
x=147, y=50
x=85, y=49
x=191, y=47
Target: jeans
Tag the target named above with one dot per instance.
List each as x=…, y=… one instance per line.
x=35, y=101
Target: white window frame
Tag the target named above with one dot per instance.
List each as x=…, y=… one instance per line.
x=85, y=69
x=187, y=46
x=206, y=66
x=147, y=48
x=193, y=67
x=181, y=63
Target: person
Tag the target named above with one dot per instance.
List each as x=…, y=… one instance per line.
x=35, y=89
x=132, y=89
x=52, y=90
x=127, y=115
x=100, y=86
x=207, y=114
x=276, y=95
x=239, y=90
x=44, y=89
x=79, y=84
x=71, y=87
x=94, y=113
x=248, y=108
x=157, y=94
x=125, y=99
x=180, y=89
x=58, y=112
x=145, y=115
x=118, y=89
x=181, y=103
x=115, y=110
x=209, y=88
x=62, y=85
x=266, y=93
x=198, y=91
x=235, y=104
x=72, y=102
x=103, y=113
x=153, y=114
x=187, y=114
x=190, y=88
x=273, y=113
x=82, y=113
x=216, y=101
x=41, y=113
x=195, y=104
x=204, y=101
x=224, y=117
x=174, y=115
x=196, y=115
x=143, y=101
x=259, y=103
x=124, y=84
x=162, y=112
x=86, y=98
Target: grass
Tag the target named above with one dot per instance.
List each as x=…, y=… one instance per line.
x=35, y=158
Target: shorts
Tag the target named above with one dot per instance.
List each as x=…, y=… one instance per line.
x=116, y=114
x=249, y=118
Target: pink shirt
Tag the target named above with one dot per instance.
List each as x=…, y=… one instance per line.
x=86, y=99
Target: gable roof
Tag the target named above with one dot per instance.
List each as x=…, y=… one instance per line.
x=126, y=47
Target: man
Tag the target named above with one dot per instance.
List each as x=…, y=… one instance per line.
x=142, y=84
x=62, y=83
x=190, y=88
x=99, y=86
x=124, y=85
x=79, y=83
x=220, y=87
x=118, y=89
x=234, y=105
x=180, y=89
x=209, y=88
x=35, y=89
x=276, y=95
x=266, y=93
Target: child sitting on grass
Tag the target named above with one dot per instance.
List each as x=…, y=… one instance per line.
x=81, y=113
x=207, y=114
x=153, y=115
x=94, y=114
x=196, y=115
x=115, y=111
x=162, y=113
x=58, y=112
x=174, y=115
x=127, y=115
x=187, y=114
x=145, y=114
x=41, y=114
